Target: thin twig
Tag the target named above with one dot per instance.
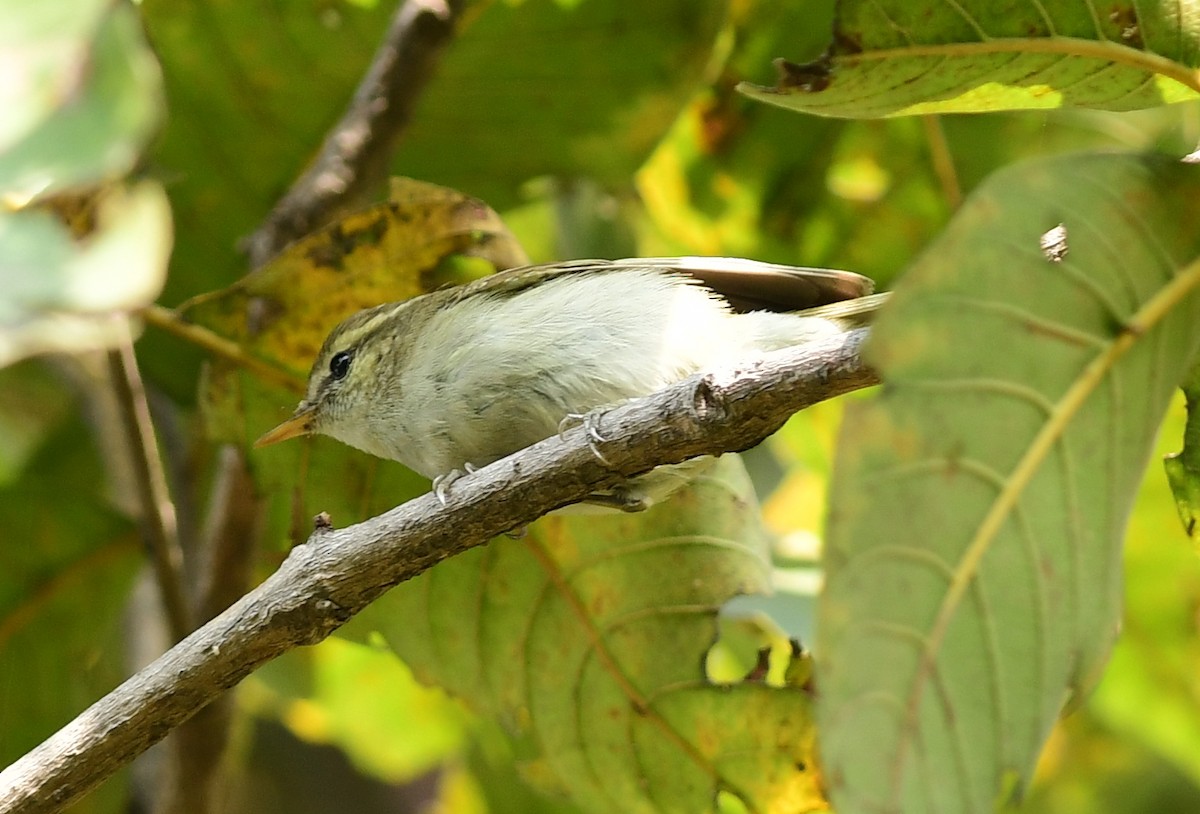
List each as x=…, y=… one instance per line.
x=337, y=573
x=943, y=161
x=354, y=158
x=168, y=320
x=158, y=512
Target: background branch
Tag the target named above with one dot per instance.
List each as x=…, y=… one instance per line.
x=355, y=155
x=338, y=572
x=157, y=510
x=353, y=159
x=942, y=160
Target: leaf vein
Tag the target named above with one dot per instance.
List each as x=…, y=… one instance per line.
x=1035, y=323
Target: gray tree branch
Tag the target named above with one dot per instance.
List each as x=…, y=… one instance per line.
x=354, y=156
x=338, y=572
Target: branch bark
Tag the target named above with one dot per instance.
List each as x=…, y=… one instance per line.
x=355, y=154
x=337, y=573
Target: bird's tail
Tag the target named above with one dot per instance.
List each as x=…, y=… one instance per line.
x=853, y=313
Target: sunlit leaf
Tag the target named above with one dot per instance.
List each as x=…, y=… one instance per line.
x=359, y=698
x=899, y=57
x=587, y=639
x=1183, y=467
x=979, y=503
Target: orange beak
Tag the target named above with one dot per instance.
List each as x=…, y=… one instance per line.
x=299, y=424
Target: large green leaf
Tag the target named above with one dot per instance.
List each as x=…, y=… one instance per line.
x=900, y=57
x=527, y=89
x=587, y=639
x=1148, y=693
x=979, y=503
x=558, y=87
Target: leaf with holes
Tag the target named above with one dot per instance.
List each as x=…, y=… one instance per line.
x=1183, y=467
x=587, y=639
x=979, y=504
x=899, y=57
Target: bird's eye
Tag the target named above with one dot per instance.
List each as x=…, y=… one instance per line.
x=339, y=365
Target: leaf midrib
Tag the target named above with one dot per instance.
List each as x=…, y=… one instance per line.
x=1107, y=50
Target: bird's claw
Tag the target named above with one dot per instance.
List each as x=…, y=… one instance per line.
x=591, y=427
x=442, y=483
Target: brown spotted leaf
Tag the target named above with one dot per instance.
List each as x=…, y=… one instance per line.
x=423, y=237
x=282, y=312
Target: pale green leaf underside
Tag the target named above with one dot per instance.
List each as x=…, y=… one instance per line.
x=62, y=294
x=897, y=57
x=82, y=95
x=586, y=638
x=979, y=504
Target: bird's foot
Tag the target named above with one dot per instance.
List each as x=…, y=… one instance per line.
x=442, y=483
x=591, y=427
x=625, y=498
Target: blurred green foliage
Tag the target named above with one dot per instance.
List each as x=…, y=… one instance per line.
x=595, y=128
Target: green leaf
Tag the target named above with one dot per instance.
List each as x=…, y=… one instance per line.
x=587, y=639
x=979, y=504
x=548, y=87
x=899, y=58
x=1148, y=692
x=81, y=96
x=525, y=90
x=359, y=697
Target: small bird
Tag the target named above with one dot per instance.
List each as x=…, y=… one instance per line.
x=461, y=377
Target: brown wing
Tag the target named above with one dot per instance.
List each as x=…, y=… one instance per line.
x=748, y=285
